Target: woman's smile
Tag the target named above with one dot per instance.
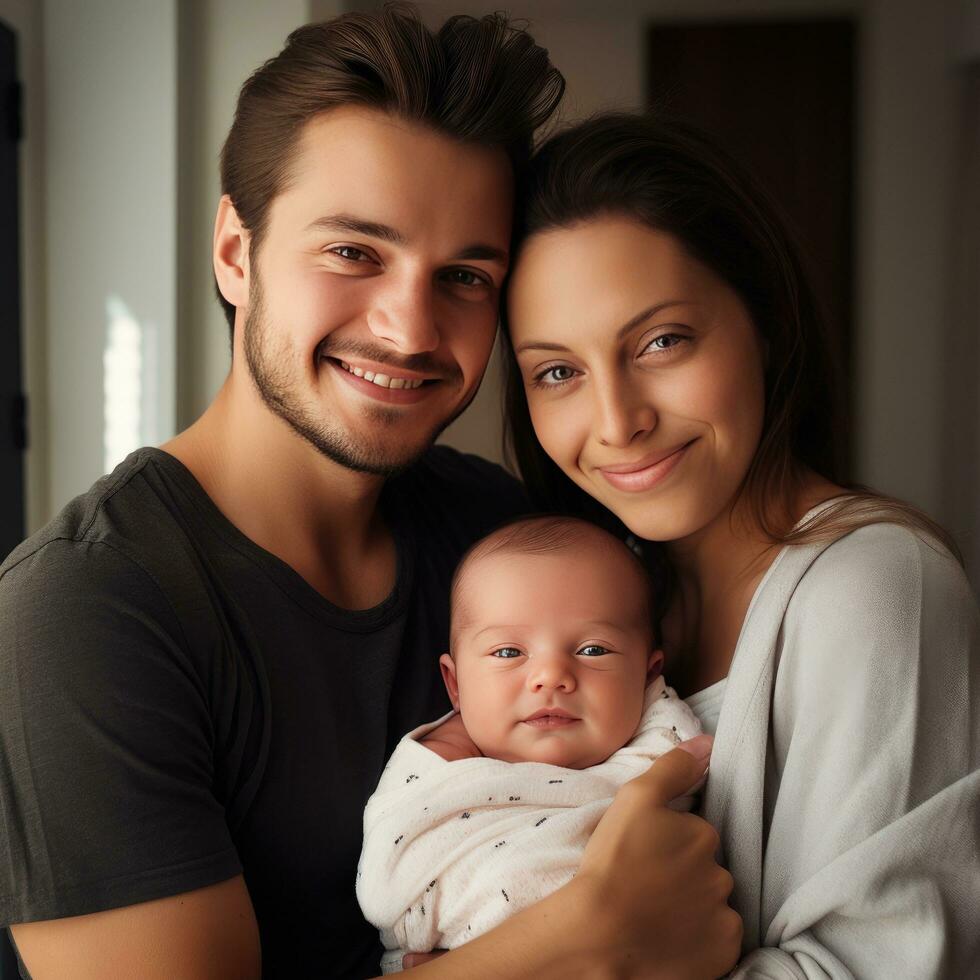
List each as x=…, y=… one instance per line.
x=647, y=473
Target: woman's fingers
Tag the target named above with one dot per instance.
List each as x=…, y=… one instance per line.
x=678, y=772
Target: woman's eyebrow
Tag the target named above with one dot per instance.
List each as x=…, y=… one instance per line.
x=629, y=325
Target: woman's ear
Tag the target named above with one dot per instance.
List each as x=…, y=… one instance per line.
x=448, y=667
x=230, y=254
x=655, y=666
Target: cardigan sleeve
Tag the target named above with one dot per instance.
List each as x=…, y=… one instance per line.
x=871, y=863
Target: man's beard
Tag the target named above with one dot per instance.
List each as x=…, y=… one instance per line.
x=277, y=387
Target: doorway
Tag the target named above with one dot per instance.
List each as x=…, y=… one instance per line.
x=779, y=97
x=12, y=404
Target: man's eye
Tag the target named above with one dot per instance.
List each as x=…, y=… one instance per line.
x=465, y=277
x=593, y=650
x=506, y=653
x=350, y=253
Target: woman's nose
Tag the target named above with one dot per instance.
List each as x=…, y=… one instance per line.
x=403, y=315
x=621, y=412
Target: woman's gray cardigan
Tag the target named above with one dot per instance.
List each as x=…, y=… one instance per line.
x=844, y=780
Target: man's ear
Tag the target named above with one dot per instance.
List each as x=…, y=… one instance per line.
x=230, y=253
x=655, y=666
x=448, y=667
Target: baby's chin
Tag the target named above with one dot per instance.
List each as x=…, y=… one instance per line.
x=552, y=751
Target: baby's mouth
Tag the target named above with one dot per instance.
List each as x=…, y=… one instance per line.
x=551, y=718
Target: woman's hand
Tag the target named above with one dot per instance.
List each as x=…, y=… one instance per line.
x=657, y=897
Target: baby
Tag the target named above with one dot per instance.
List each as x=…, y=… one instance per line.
x=555, y=680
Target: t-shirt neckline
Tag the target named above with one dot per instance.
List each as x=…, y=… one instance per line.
x=281, y=572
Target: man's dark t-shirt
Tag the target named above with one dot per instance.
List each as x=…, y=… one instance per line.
x=178, y=706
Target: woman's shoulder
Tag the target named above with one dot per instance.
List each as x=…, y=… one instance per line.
x=882, y=589
x=878, y=560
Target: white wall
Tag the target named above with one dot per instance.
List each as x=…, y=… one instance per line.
x=24, y=17
x=221, y=43
x=110, y=129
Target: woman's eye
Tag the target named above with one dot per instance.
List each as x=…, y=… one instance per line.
x=506, y=653
x=593, y=650
x=554, y=376
x=666, y=341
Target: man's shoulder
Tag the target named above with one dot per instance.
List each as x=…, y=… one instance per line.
x=113, y=528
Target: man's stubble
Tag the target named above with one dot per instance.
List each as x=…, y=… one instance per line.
x=278, y=387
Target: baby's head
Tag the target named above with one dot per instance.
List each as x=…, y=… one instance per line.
x=552, y=643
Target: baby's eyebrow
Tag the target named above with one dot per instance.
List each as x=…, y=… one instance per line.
x=500, y=628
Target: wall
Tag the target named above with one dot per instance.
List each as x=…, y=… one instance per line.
x=110, y=172
x=221, y=43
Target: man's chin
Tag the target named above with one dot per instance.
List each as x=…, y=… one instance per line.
x=382, y=458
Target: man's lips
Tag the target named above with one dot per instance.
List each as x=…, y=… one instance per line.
x=551, y=718
x=647, y=472
x=382, y=383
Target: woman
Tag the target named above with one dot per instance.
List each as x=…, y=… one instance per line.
x=666, y=348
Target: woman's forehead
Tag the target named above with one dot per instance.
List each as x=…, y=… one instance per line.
x=607, y=269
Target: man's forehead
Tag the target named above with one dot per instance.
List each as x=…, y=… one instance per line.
x=383, y=169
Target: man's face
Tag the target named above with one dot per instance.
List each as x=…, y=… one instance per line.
x=373, y=295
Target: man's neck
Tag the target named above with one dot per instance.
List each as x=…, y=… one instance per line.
x=319, y=517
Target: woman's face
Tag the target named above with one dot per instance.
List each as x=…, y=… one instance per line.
x=643, y=372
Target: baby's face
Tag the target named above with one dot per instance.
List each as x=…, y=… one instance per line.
x=552, y=654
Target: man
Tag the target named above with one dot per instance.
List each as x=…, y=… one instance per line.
x=207, y=658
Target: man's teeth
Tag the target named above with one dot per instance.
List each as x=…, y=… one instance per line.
x=382, y=380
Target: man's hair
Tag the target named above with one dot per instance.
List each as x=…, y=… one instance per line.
x=548, y=534
x=482, y=81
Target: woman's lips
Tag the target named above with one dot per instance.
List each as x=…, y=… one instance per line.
x=644, y=474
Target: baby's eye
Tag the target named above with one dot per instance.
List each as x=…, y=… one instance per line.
x=593, y=650
x=506, y=653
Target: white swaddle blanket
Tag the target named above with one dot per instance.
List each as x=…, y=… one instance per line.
x=451, y=849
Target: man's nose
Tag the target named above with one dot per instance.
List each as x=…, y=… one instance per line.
x=622, y=411
x=403, y=314
x=551, y=674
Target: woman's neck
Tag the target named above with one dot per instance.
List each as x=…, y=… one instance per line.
x=718, y=570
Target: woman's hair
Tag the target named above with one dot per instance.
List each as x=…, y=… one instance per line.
x=479, y=80
x=670, y=177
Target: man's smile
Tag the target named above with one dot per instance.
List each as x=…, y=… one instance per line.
x=393, y=389
x=383, y=380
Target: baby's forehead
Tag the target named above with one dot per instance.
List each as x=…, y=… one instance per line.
x=587, y=557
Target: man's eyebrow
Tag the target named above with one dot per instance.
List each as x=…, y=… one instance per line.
x=375, y=229
x=358, y=226
x=485, y=253
x=631, y=324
